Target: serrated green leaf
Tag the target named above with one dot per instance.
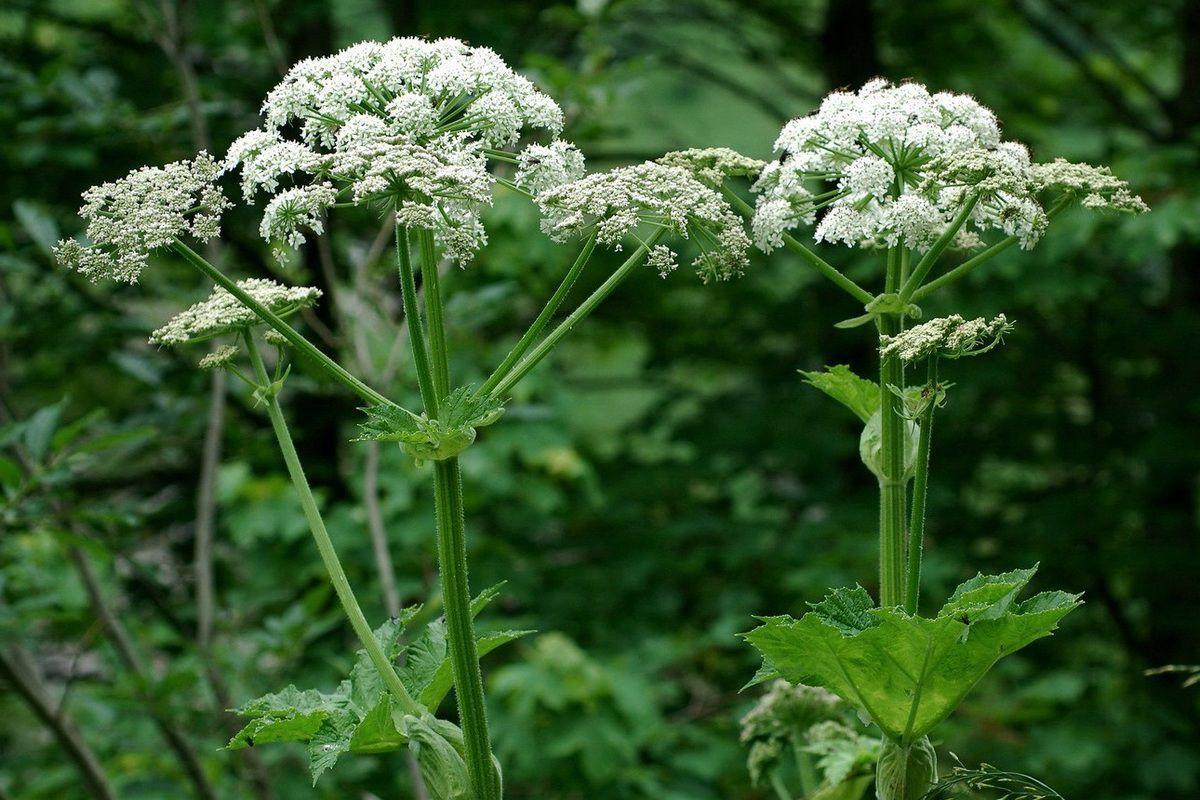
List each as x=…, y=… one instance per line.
x=859, y=395
x=381, y=730
x=290, y=715
x=848, y=610
x=987, y=596
x=328, y=743
x=908, y=673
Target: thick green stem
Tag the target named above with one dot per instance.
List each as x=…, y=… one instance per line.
x=302, y=345
x=416, y=329
x=432, y=283
x=891, y=482
x=530, y=336
x=821, y=265
x=916, y=522
x=329, y=557
x=971, y=263
x=464, y=656
x=578, y=315
x=452, y=556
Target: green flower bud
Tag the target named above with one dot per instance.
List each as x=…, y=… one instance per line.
x=906, y=773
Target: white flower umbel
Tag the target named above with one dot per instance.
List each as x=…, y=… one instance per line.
x=223, y=356
x=145, y=210
x=946, y=337
x=407, y=124
x=894, y=165
x=616, y=203
x=223, y=313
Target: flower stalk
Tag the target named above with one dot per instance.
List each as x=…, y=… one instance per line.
x=329, y=556
x=893, y=436
x=916, y=523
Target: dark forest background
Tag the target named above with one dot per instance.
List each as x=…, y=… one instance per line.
x=665, y=476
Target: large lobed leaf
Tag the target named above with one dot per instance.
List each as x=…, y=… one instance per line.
x=908, y=673
x=360, y=715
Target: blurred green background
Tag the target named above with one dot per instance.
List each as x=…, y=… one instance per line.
x=666, y=475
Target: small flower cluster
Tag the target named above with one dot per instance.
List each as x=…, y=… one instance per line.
x=616, y=203
x=146, y=210
x=903, y=164
x=544, y=167
x=222, y=313
x=946, y=337
x=407, y=123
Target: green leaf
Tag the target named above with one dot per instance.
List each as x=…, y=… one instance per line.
x=39, y=430
x=291, y=715
x=839, y=382
x=427, y=672
x=326, y=746
x=37, y=222
x=908, y=673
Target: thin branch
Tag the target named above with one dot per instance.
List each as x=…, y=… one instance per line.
x=22, y=677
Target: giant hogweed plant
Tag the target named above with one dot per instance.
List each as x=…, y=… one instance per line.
x=422, y=132
x=912, y=176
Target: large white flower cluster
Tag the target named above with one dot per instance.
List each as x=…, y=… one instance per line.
x=616, y=203
x=406, y=122
x=894, y=165
x=221, y=312
x=145, y=210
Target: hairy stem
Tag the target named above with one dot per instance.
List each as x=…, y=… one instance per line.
x=578, y=315
x=416, y=328
x=329, y=557
x=530, y=336
x=464, y=656
x=891, y=483
x=302, y=345
x=452, y=557
x=916, y=522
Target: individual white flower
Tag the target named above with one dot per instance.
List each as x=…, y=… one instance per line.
x=293, y=209
x=616, y=203
x=147, y=209
x=541, y=167
x=222, y=313
x=946, y=337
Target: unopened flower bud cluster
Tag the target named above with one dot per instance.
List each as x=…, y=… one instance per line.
x=946, y=337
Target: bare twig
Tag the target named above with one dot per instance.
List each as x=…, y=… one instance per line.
x=16, y=668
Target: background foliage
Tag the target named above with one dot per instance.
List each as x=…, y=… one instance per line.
x=659, y=481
